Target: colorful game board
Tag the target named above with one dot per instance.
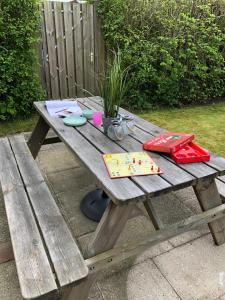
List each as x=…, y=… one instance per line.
x=130, y=164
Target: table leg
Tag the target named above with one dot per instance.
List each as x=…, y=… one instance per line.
x=105, y=237
x=208, y=197
x=38, y=136
x=157, y=223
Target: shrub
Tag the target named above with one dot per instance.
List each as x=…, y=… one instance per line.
x=19, y=81
x=176, y=48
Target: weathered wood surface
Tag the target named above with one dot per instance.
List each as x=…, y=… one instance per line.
x=199, y=170
x=208, y=197
x=117, y=254
x=34, y=272
x=61, y=50
x=105, y=237
x=171, y=172
x=65, y=255
x=73, y=49
x=118, y=189
x=221, y=188
x=38, y=136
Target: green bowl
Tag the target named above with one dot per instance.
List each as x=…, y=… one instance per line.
x=88, y=113
x=74, y=121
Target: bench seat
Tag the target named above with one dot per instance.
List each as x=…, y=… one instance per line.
x=221, y=186
x=46, y=255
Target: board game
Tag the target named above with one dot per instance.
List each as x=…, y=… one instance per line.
x=130, y=164
x=168, y=142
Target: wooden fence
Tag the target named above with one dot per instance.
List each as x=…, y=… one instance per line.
x=71, y=49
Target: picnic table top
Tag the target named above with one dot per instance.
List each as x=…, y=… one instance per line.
x=88, y=143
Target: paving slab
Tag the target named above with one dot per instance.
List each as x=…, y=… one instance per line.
x=136, y=228
x=57, y=159
x=195, y=270
x=170, y=209
x=9, y=284
x=69, y=204
x=140, y=282
x=4, y=230
x=71, y=180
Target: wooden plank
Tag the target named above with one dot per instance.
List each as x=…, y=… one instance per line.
x=217, y=162
x=65, y=255
x=6, y=252
x=88, y=44
x=222, y=178
x=60, y=42
x=105, y=237
x=99, y=46
x=119, y=190
x=208, y=197
x=171, y=173
x=37, y=136
x=68, y=21
x=117, y=254
x=153, y=184
x=199, y=170
x=78, y=45
x=51, y=44
x=157, y=223
x=34, y=271
x=221, y=189
x=45, y=57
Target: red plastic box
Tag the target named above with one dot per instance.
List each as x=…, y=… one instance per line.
x=168, y=142
x=190, y=153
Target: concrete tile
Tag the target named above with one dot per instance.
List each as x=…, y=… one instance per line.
x=136, y=228
x=171, y=209
x=69, y=204
x=143, y=282
x=189, y=236
x=56, y=159
x=9, y=284
x=195, y=270
x=4, y=236
x=71, y=180
x=95, y=293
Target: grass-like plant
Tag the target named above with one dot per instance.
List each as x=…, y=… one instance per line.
x=113, y=86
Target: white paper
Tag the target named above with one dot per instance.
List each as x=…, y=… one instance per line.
x=59, y=108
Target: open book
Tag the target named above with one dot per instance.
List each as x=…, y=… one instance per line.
x=63, y=108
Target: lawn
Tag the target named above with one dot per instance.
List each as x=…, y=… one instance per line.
x=206, y=122
x=17, y=126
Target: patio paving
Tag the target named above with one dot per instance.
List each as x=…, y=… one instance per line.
x=186, y=267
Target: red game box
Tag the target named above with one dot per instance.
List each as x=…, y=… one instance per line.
x=168, y=142
x=190, y=153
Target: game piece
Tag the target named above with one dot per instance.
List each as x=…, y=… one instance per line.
x=168, y=142
x=121, y=164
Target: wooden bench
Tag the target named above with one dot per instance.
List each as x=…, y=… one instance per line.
x=221, y=187
x=47, y=257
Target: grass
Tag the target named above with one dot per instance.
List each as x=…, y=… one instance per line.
x=17, y=126
x=206, y=122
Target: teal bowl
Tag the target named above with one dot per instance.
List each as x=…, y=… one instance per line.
x=88, y=113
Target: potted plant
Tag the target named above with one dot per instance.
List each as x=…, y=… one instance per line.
x=112, y=89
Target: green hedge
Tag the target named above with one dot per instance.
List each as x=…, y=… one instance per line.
x=175, y=49
x=19, y=81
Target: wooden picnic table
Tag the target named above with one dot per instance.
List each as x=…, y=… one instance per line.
x=88, y=143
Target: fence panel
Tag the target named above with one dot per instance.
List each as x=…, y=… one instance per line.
x=72, y=50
